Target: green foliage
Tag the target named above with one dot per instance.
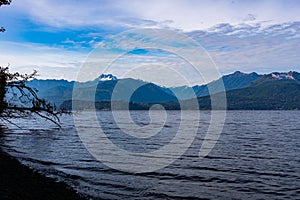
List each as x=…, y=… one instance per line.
x=269, y=95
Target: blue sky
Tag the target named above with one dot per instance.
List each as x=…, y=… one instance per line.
x=55, y=37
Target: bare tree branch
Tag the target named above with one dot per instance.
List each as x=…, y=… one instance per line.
x=18, y=100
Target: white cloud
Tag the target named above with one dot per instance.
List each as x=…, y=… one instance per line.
x=253, y=48
x=244, y=47
x=182, y=14
x=68, y=14
x=260, y=36
x=49, y=61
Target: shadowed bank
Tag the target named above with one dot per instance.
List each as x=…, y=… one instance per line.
x=20, y=182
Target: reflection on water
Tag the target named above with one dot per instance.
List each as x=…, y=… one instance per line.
x=255, y=157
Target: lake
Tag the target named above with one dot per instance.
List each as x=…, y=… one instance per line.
x=255, y=157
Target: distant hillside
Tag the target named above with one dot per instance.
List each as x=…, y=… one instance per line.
x=55, y=91
x=145, y=92
x=265, y=95
x=269, y=95
x=244, y=91
x=233, y=81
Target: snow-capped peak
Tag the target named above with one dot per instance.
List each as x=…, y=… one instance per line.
x=280, y=76
x=107, y=77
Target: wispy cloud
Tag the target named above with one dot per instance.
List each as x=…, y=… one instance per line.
x=56, y=36
x=186, y=15
x=253, y=48
x=50, y=62
x=70, y=14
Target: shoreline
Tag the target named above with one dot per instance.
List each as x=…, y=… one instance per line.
x=21, y=182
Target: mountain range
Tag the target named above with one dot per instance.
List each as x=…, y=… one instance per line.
x=277, y=90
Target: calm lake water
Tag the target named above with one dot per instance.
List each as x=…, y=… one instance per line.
x=256, y=157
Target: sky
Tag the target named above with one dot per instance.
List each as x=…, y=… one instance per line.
x=56, y=37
